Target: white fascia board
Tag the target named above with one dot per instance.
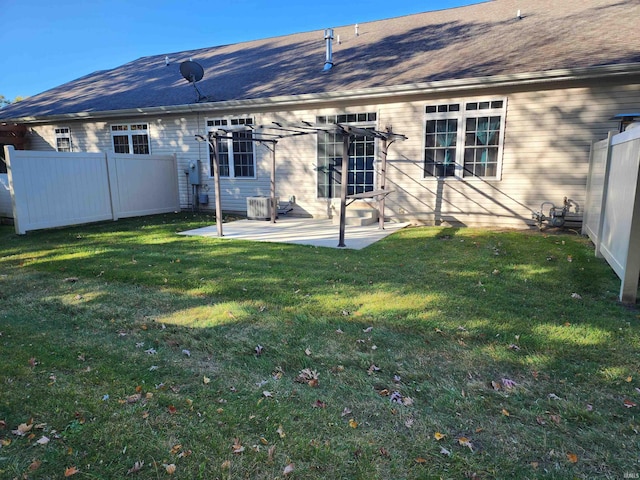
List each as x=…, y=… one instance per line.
x=365, y=94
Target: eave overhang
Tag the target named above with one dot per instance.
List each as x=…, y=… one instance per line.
x=372, y=94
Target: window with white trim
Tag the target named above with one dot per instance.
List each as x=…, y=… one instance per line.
x=236, y=157
x=131, y=138
x=63, y=139
x=361, y=173
x=464, y=139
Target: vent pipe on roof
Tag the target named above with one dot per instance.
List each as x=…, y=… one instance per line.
x=328, y=36
x=519, y=15
x=356, y=29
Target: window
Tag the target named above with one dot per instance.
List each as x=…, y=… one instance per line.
x=63, y=139
x=360, y=177
x=464, y=139
x=236, y=158
x=131, y=138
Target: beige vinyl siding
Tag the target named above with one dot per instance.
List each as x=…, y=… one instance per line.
x=548, y=133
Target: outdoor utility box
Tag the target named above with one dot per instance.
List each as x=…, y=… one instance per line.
x=259, y=208
x=194, y=173
x=203, y=198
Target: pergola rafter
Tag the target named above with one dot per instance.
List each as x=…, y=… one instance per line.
x=263, y=134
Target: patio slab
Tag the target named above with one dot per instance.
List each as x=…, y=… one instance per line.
x=303, y=231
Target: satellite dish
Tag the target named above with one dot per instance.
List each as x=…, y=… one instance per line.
x=191, y=71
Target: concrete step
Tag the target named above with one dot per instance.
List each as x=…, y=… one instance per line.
x=360, y=217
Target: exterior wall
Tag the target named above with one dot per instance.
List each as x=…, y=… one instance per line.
x=545, y=157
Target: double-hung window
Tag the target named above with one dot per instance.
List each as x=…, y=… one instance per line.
x=464, y=139
x=236, y=158
x=63, y=139
x=131, y=138
x=360, y=176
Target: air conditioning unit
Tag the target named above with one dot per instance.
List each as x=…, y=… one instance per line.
x=259, y=208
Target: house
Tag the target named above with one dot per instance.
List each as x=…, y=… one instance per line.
x=499, y=101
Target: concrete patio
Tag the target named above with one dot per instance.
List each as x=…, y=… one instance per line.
x=302, y=231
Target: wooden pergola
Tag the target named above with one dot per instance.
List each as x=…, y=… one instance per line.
x=269, y=135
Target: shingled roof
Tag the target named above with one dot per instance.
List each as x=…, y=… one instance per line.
x=480, y=41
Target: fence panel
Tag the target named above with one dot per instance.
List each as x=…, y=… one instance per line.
x=6, y=210
x=594, y=205
x=143, y=184
x=621, y=220
x=53, y=189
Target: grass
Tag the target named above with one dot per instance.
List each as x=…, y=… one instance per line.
x=123, y=343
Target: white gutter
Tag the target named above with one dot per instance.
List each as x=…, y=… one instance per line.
x=365, y=94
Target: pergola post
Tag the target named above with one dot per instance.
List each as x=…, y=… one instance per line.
x=383, y=181
x=344, y=181
x=216, y=183
x=273, y=183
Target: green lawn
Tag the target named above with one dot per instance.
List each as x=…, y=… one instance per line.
x=435, y=353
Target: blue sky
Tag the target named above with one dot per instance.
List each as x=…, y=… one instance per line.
x=47, y=42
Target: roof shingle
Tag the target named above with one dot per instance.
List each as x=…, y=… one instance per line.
x=480, y=40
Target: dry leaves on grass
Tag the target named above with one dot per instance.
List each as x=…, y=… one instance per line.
x=308, y=376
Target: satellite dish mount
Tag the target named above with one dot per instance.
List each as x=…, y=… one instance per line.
x=192, y=73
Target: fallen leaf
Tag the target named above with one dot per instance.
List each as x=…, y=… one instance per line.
x=184, y=453
x=33, y=362
x=572, y=457
x=172, y=410
x=5, y=442
x=553, y=396
x=505, y=412
x=555, y=419
x=171, y=468
x=319, y=404
x=541, y=421
x=495, y=385
x=420, y=460
x=444, y=451
x=225, y=465
x=346, y=411
x=270, y=452
x=288, y=469
x=264, y=441
x=339, y=331
x=175, y=449
x=628, y=403
x=367, y=330
x=206, y=380
x=307, y=351
x=508, y=383
x=71, y=471
x=237, y=446
x=3, y=424
x=353, y=423
x=373, y=368
x=267, y=394
x=136, y=467
x=465, y=442
x=22, y=429
x=438, y=436
x=280, y=432
x=384, y=452
x=43, y=440
x=186, y=352
x=35, y=465
x=259, y=349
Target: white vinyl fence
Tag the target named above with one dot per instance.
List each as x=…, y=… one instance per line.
x=53, y=189
x=612, y=214
x=5, y=196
